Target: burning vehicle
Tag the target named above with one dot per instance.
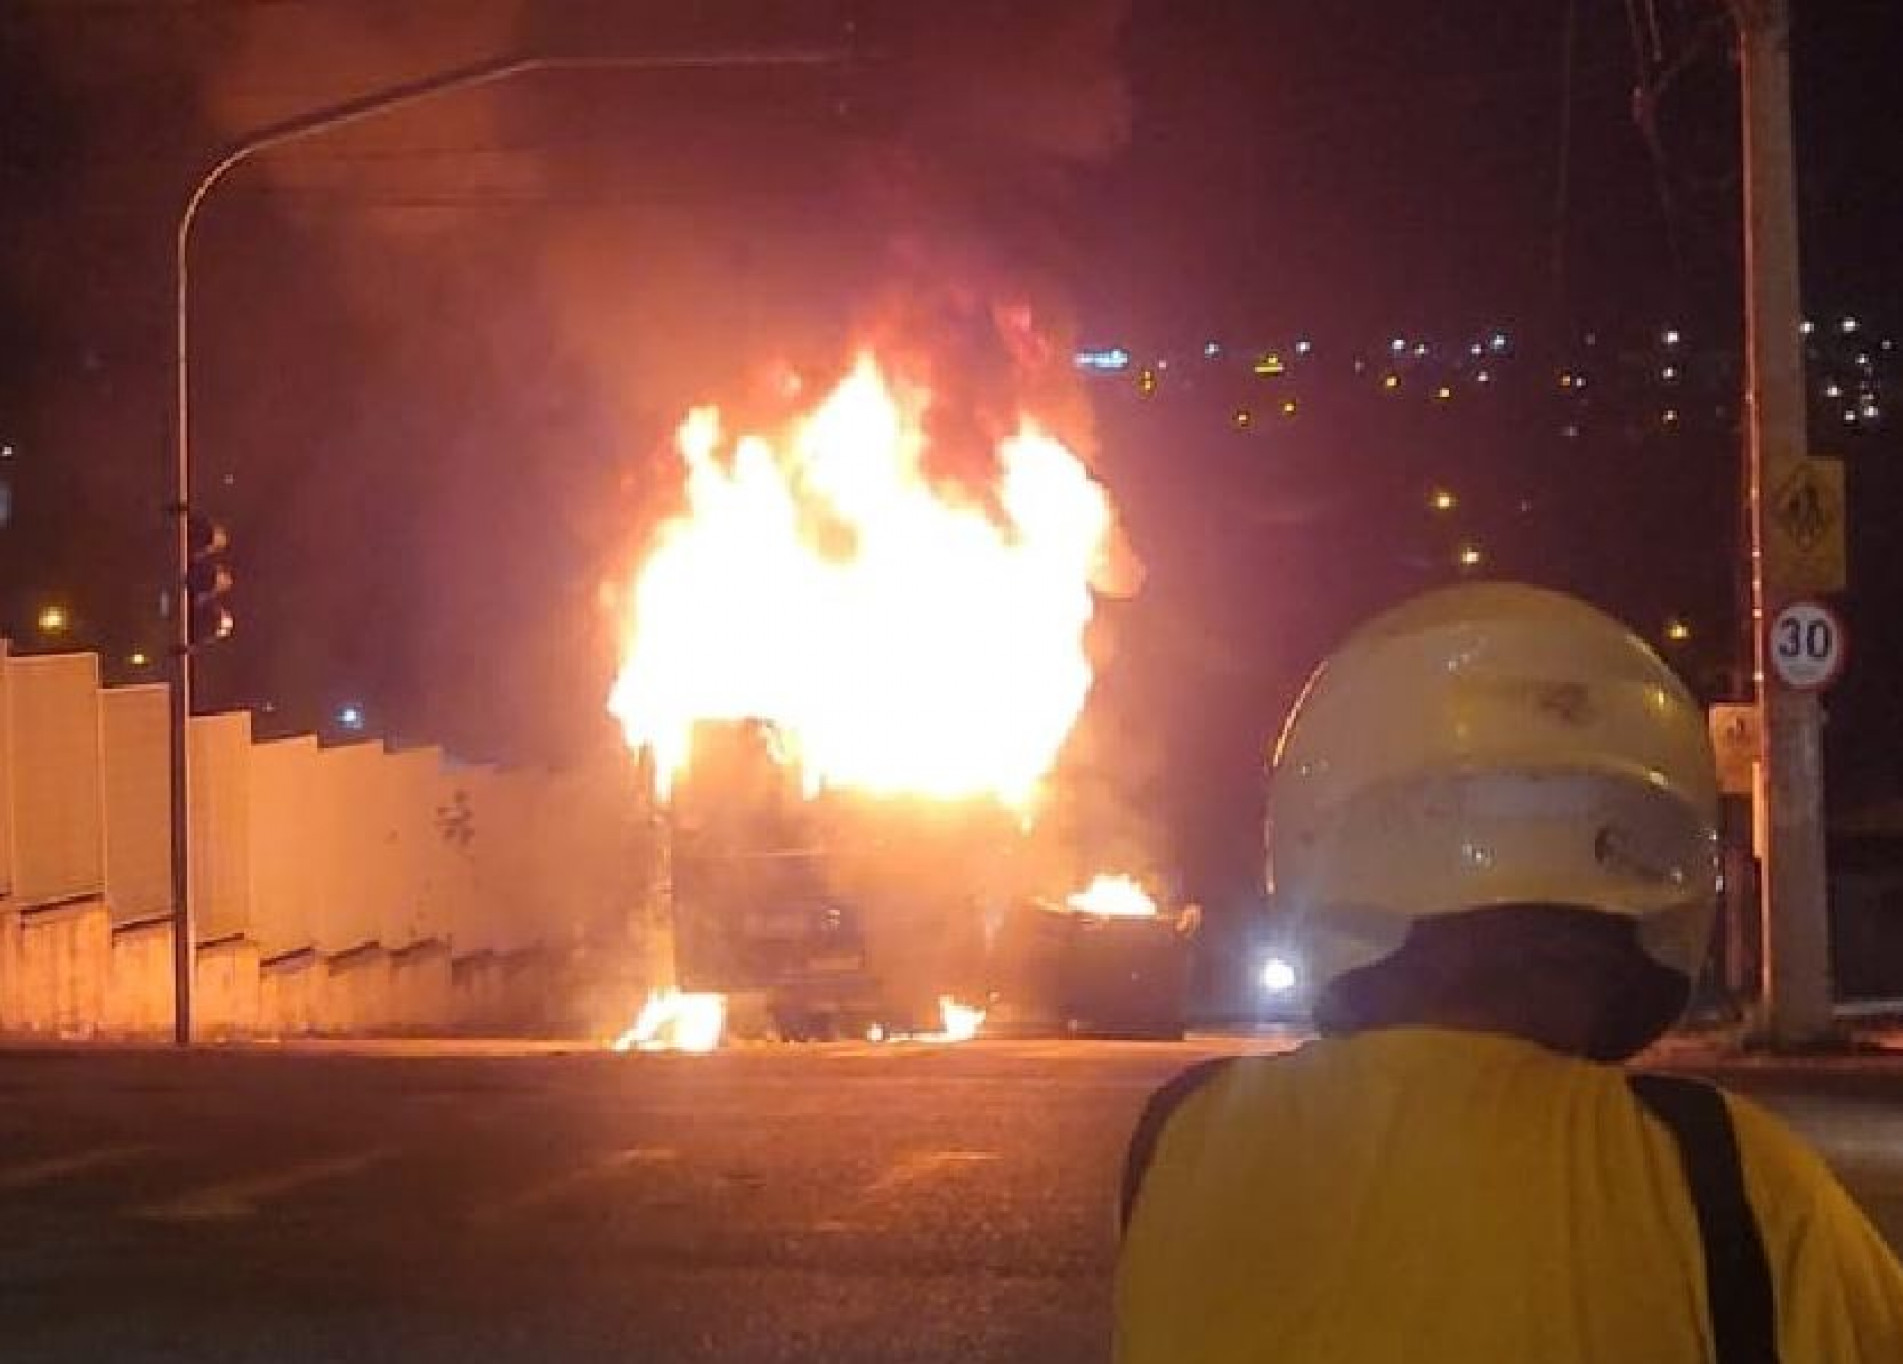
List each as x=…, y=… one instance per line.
x=1107, y=961
x=829, y=917
x=851, y=662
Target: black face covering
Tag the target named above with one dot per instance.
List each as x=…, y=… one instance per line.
x=1572, y=979
x=1645, y=1001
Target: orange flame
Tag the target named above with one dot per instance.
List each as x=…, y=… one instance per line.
x=901, y=638
x=957, y=1022
x=673, y=1021
x=1115, y=897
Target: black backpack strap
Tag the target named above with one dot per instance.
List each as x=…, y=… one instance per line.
x=1737, y=1275
x=1156, y=1115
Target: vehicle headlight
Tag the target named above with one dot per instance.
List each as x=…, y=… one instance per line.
x=1278, y=975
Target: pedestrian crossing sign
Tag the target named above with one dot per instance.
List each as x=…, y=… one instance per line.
x=1805, y=521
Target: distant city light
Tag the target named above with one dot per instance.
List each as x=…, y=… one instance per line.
x=1469, y=556
x=1855, y=392
x=1442, y=500
x=1806, y=327
x=7, y=451
x=350, y=716
x=1677, y=631
x=53, y=620
x=1110, y=361
x=137, y=658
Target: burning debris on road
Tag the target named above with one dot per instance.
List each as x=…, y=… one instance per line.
x=1114, y=897
x=672, y=1021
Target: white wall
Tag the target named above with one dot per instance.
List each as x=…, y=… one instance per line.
x=284, y=846
x=6, y=776
x=294, y=845
x=221, y=825
x=135, y=752
x=57, y=801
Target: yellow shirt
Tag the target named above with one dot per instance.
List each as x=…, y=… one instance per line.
x=1415, y=1194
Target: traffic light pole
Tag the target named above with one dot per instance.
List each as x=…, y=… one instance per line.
x=278, y=134
x=1796, y=1004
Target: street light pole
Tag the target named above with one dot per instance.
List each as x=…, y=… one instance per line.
x=1790, y=785
x=322, y=120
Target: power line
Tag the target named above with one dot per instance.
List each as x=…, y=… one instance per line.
x=1654, y=71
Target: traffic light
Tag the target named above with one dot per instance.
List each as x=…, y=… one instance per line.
x=207, y=581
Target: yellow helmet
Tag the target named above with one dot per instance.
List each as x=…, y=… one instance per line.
x=1484, y=745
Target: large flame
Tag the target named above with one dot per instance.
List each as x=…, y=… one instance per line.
x=901, y=637
x=1117, y=897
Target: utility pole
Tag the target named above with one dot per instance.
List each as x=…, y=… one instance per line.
x=1796, y=1001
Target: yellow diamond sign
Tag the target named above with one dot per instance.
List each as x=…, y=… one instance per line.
x=1804, y=526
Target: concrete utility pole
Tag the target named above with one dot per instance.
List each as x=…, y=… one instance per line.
x=322, y=120
x=1790, y=788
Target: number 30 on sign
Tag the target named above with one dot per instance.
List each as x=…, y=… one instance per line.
x=1807, y=646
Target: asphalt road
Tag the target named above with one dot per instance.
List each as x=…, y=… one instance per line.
x=836, y=1203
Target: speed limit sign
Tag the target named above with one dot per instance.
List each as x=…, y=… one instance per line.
x=1807, y=646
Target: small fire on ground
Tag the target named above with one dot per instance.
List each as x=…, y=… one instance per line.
x=1114, y=897
x=957, y=1023
x=673, y=1021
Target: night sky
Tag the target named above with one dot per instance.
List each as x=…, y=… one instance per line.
x=438, y=354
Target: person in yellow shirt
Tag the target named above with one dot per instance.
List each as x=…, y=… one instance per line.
x=1493, y=819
